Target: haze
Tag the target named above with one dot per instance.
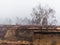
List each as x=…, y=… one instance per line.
x=23, y=8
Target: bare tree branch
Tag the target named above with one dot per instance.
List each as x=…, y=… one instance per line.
x=40, y=15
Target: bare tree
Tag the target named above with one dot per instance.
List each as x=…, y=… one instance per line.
x=17, y=20
x=8, y=21
x=26, y=21
x=22, y=21
x=41, y=16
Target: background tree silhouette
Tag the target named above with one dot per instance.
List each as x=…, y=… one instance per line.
x=43, y=16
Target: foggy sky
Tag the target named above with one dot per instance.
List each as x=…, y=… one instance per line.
x=23, y=8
